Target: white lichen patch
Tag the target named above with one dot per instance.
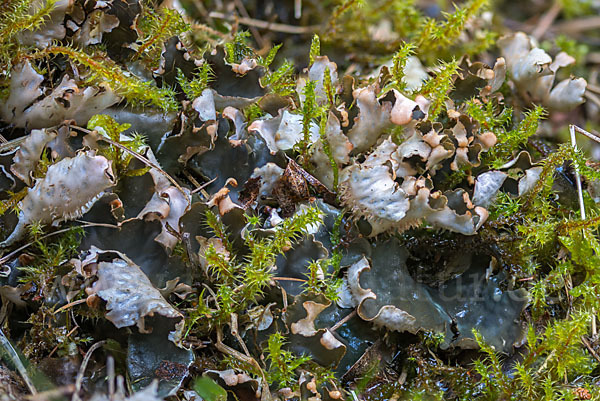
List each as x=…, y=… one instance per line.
x=284, y=131
x=28, y=155
x=387, y=191
x=533, y=71
x=31, y=105
x=68, y=190
x=373, y=118
x=129, y=294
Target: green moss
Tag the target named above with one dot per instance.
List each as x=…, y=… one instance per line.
x=510, y=141
x=240, y=281
x=399, y=64
x=109, y=128
x=102, y=69
x=48, y=255
x=16, y=17
x=154, y=27
x=438, y=87
x=194, y=87
x=238, y=49
x=282, y=363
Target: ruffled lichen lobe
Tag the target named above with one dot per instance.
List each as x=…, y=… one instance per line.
x=69, y=189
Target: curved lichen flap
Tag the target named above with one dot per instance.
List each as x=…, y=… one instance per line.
x=129, y=294
x=387, y=295
x=69, y=189
x=385, y=298
x=393, y=192
x=305, y=338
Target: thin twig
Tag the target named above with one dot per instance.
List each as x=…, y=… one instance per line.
x=578, y=25
x=73, y=330
x=572, y=129
x=110, y=376
x=9, y=256
x=86, y=360
x=134, y=154
x=265, y=393
x=201, y=187
x=236, y=333
x=593, y=97
x=200, y=7
x=592, y=135
x=92, y=224
x=70, y=304
x=11, y=145
x=546, y=20
x=53, y=394
x=271, y=26
x=593, y=88
x=577, y=175
x=257, y=36
x=344, y=320
x=593, y=58
x=289, y=279
x=589, y=347
x=298, y=9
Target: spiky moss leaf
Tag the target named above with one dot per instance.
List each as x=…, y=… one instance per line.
x=16, y=17
x=282, y=363
x=194, y=87
x=108, y=127
x=238, y=49
x=252, y=274
x=315, y=49
x=102, y=69
x=445, y=34
x=399, y=64
x=154, y=28
x=511, y=141
x=438, y=88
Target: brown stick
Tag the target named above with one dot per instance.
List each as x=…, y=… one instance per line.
x=589, y=347
x=344, y=320
x=86, y=360
x=257, y=36
x=271, y=26
x=70, y=304
x=578, y=25
x=546, y=21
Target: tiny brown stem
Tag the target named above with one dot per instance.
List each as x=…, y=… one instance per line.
x=70, y=304
x=344, y=320
x=589, y=347
x=271, y=26
x=86, y=360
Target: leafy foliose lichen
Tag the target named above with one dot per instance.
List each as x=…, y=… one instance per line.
x=300, y=200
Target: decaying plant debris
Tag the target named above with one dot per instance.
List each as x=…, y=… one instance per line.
x=298, y=200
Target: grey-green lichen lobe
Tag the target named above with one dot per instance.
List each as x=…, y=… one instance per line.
x=387, y=295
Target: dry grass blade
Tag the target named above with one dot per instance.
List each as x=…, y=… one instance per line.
x=10, y=355
x=86, y=360
x=271, y=26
